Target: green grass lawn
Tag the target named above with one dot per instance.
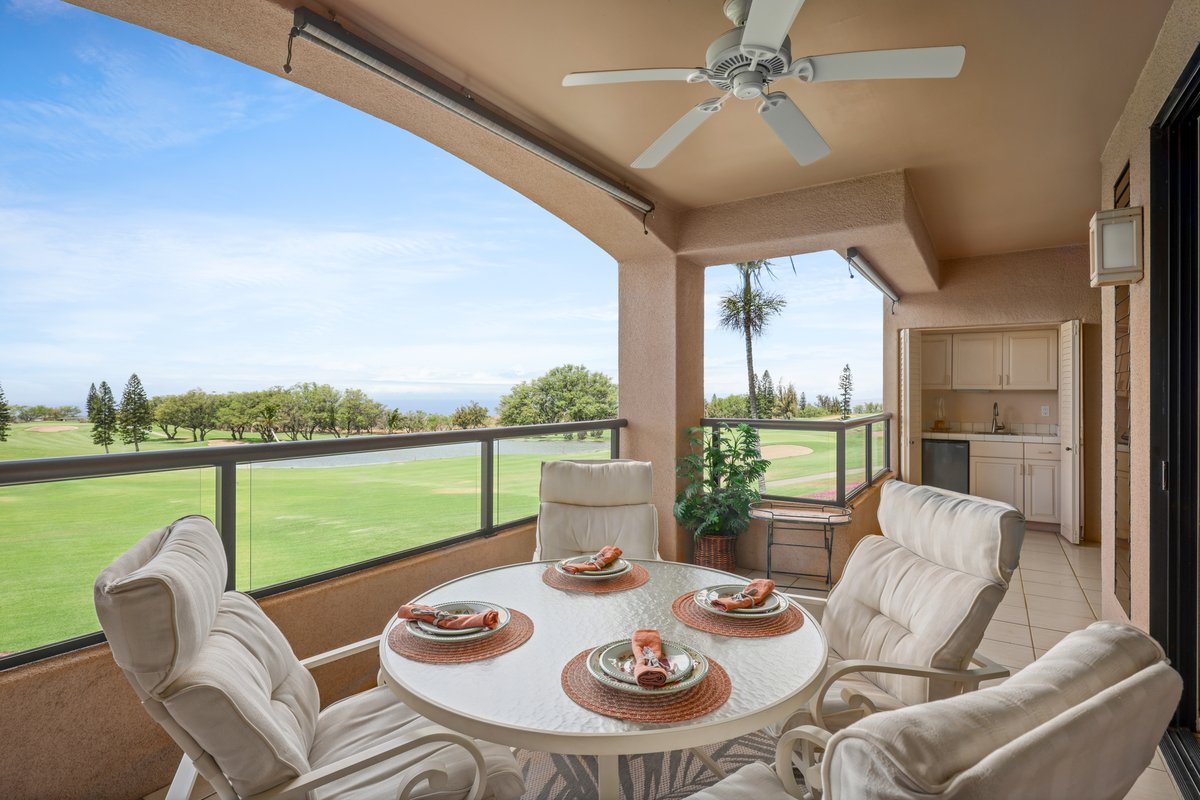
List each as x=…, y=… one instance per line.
x=291, y=522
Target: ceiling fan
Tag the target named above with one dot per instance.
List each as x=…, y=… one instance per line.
x=745, y=61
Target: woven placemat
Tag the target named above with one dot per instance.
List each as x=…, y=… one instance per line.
x=629, y=580
x=686, y=611
x=514, y=634
x=709, y=695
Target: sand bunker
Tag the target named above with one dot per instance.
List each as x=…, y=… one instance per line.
x=54, y=428
x=223, y=442
x=772, y=451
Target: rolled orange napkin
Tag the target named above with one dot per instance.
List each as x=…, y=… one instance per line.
x=753, y=594
x=453, y=622
x=602, y=559
x=651, y=668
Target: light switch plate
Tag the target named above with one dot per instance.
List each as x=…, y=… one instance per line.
x=1045, y=411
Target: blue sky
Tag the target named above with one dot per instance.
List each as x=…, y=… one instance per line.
x=167, y=211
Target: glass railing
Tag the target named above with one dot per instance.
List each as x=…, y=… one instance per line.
x=821, y=461
x=289, y=513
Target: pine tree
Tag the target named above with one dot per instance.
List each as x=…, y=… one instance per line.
x=5, y=417
x=104, y=421
x=766, y=396
x=845, y=388
x=803, y=401
x=135, y=417
x=92, y=397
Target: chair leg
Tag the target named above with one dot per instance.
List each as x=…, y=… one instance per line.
x=184, y=781
x=708, y=762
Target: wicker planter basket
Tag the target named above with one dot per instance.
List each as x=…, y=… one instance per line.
x=717, y=552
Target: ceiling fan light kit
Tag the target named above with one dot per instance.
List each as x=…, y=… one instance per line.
x=743, y=63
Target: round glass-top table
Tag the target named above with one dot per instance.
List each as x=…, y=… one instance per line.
x=516, y=698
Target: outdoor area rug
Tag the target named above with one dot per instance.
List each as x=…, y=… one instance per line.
x=659, y=776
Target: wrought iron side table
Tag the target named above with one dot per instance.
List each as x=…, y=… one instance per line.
x=795, y=517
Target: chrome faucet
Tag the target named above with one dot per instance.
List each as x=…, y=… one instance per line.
x=997, y=425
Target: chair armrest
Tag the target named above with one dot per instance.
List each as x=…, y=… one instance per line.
x=813, y=605
x=340, y=652
x=813, y=739
x=435, y=773
x=971, y=677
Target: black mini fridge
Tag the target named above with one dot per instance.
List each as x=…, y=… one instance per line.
x=945, y=463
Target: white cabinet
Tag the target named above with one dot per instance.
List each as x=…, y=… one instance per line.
x=1031, y=360
x=998, y=479
x=1005, y=471
x=978, y=361
x=1041, y=491
x=936, y=361
x=1005, y=360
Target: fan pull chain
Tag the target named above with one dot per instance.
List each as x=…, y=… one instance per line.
x=287, y=65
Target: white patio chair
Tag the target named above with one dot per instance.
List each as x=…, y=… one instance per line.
x=586, y=505
x=215, y=672
x=1081, y=721
x=912, y=605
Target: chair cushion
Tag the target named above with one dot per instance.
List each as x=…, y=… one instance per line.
x=1081, y=721
x=246, y=699
x=755, y=781
x=960, y=532
x=564, y=531
x=835, y=711
x=376, y=716
x=894, y=605
x=157, y=602
x=597, y=483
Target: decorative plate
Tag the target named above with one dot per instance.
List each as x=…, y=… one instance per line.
x=430, y=632
x=618, y=661
x=699, y=673
x=773, y=606
x=618, y=567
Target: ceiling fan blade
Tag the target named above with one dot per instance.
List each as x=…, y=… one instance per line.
x=674, y=135
x=769, y=22
x=920, y=62
x=627, y=76
x=793, y=128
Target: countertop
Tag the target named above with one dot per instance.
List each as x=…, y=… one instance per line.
x=991, y=437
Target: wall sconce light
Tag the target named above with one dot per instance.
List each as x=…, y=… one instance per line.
x=1116, y=246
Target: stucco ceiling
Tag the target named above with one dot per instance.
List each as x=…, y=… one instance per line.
x=1002, y=158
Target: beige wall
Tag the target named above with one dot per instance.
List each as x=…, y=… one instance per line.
x=1037, y=287
x=1130, y=143
x=72, y=727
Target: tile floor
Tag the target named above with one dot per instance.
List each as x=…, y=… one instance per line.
x=1056, y=590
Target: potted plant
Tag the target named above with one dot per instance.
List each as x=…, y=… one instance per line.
x=722, y=473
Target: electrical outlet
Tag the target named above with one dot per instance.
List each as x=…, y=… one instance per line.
x=1045, y=411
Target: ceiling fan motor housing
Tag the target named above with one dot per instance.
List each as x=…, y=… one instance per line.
x=725, y=60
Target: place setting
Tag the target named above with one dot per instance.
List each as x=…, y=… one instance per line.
x=645, y=678
x=457, y=632
x=602, y=572
x=745, y=610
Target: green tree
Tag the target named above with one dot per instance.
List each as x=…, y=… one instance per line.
x=168, y=414
x=135, y=418
x=735, y=406
x=570, y=393
x=266, y=418
x=356, y=412
x=198, y=412
x=766, y=395
x=237, y=412
x=5, y=417
x=747, y=310
x=393, y=421
x=472, y=415
x=92, y=397
x=803, y=401
x=846, y=389
x=104, y=422
x=787, y=405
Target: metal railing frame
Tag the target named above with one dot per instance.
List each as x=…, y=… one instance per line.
x=838, y=428
x=226, y=460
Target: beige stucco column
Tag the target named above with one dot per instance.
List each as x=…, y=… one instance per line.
x=661, y=373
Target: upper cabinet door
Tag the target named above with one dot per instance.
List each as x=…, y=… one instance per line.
x=978, y=361
x=1031, y=360
x=936, y=361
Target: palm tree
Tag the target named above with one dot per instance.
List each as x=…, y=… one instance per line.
x=747, y=310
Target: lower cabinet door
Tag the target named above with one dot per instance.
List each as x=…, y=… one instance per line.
x=1041, y=491
x=999, y=479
